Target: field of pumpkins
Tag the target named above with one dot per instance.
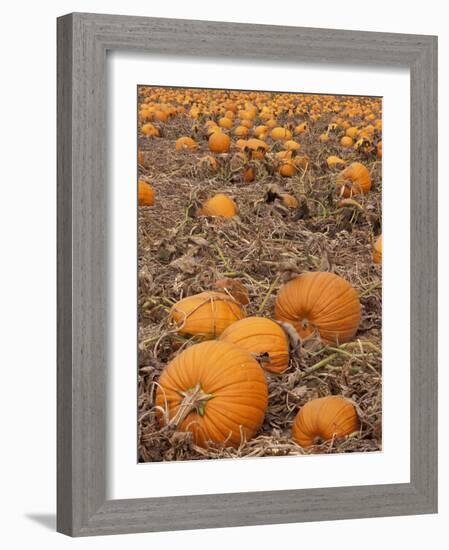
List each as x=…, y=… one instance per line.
x=259, y=273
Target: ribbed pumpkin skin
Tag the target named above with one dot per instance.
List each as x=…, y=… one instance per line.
x=377, y=250
x=320, y=301
x=237, y=385
x=324, y=418
x=145, y=194
x=219, y=205
x=260, y=335
x=354, y=180
x=206, y=315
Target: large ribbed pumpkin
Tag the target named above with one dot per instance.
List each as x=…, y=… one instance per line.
x=216, y=391
x=262, y=337
x=354, y=180
x=206, y=315
x=320, y=302
x=324, y=418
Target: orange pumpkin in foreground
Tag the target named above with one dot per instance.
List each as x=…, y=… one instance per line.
x=354, y=180
x=145, y=194
x=262, y=337
x=219, y=205
x=216, y=391
x=324, y=418
x=206, y=315
x=322, y=303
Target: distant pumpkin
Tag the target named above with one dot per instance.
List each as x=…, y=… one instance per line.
x=346, y=141
x=280, y=133
x=289, y=200
x=185, y=143
x=377, y=250
x=219, y=142
x=145, y=193
x=219, y=205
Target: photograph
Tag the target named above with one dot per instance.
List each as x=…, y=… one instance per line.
x=259, y=274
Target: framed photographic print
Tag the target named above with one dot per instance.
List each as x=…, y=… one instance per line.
x=236, y=345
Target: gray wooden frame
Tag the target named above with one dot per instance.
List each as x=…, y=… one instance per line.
x=83, y=40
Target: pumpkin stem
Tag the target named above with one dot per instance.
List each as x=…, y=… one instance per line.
x=194, y=399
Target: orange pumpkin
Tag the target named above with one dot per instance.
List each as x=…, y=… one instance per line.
x=379, y=150
x=249, y=173
x=257, y=148
x=352, y=132
x=225, y=123
x=216, y=391
x=280, y=133
x=291, y=145
x=150, y=130
x=219, y=205
x=145, y=194
x=205, y=315
x=346, y=141
x=241, y=131
x=219, y=142
x=233, y=287
x=208, y=162
x=324, y=418
x=263, y=337
x=377, y=250
x=301, y=128
x=185, y=143
x=354, y=180
x=287, y=169
x=289, y=200
x=335, y=161
x=322, y=303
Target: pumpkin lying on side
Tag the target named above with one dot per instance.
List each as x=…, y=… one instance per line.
x=320, y=302
x=216, y=391
x=324, y=418
x=206, y=315
x=262, y=337
x=354, y=180
x=145, y=194
x=377, y=250
x=219, y=205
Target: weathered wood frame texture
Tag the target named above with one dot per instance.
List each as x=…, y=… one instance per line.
x=83, y=40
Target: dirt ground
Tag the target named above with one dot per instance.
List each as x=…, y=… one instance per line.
x=265, y=245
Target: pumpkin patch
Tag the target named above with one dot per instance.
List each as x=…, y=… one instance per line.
x=259, y=274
